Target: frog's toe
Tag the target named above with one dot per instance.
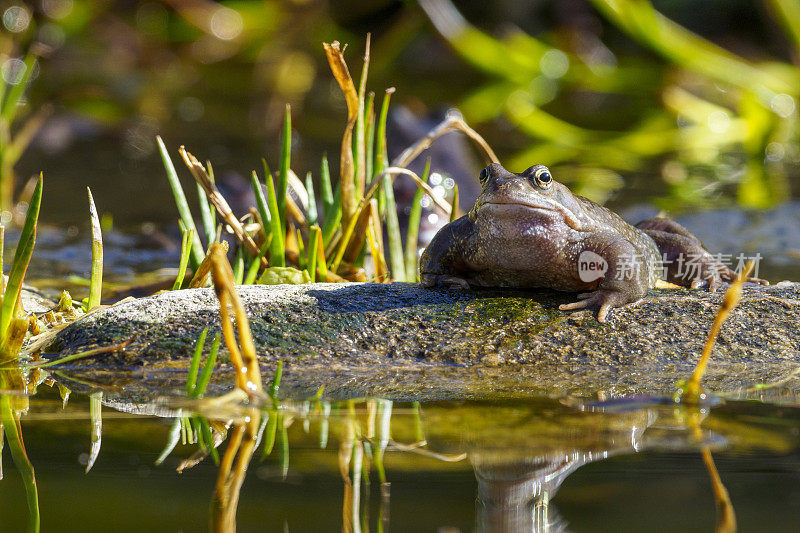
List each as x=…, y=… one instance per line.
x=605, y=300
x=575, y=305
x=730, y=277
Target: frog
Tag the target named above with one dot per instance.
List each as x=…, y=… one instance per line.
x=528, y=231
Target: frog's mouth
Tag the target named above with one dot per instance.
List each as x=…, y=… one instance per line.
x=552, y=207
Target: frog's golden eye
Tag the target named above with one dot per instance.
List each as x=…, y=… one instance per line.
x=543, y=178
x=484, y=175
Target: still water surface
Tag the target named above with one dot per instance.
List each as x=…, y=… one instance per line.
x=523, y=465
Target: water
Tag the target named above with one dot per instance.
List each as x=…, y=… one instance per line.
x=532, y=464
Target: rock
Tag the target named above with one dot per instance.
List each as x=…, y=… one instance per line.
x=34, y=301
x=406, y=342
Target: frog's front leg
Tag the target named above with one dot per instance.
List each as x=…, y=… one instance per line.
x=623, y=282
x=442, y=262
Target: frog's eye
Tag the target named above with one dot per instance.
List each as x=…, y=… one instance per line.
x=484, y=175
x=543, y=178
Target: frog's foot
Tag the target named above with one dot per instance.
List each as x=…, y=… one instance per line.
x=688, y=262
x=434, y=280
x=730, y=276
x=605, y=299
x=717, y=274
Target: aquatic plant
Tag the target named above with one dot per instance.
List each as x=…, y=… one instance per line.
x=283, y=237
x=12, y=327
x=690, y=391
x=96, y=279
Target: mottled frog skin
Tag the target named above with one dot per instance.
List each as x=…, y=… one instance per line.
x=527, y=230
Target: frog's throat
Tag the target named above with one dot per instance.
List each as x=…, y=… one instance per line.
x=545, y=204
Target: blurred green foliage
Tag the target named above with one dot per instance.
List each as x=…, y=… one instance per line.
x=605, y=88
x=710, y=104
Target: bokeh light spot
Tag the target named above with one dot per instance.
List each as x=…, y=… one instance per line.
x=554, y=64
x=13, y=70
x=783, y=105
x=226, y=24
x=16, y=19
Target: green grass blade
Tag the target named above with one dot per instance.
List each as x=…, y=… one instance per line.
x=333, y=222
x=326, y=189
x=238, y=267
x=270, y=433
x=311, y=214
x=255, y=264
x=96, y=284
x=186, y=244
x=370, y=133
x=261, y=202
x=276, y=382
x=198, y=253
x=311, y=261
x=381, y=155
x=283, y=171
x=322, y=270
x=302, y=260
x=207, y=215
x=194, y=367
x=412, y=236
x=208, y=368
x=22, y=257
x=393, y=232
x=284, y=451
x=207, y=444
x=277, y=251
x=380, y=135
x=96, y=416
x=172, y=441
x=196, y=429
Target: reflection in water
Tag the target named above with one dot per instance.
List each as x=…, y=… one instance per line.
x=521, y=451
x=514, y=489
x=242, y=443
x=520, y=456
x=11, y=406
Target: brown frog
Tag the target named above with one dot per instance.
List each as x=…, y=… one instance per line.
x=527, y=230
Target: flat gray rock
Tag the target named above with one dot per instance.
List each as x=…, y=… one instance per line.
x=404, y=341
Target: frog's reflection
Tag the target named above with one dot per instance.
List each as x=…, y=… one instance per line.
x=516, y=496
x=514, y=492
x=521, y=452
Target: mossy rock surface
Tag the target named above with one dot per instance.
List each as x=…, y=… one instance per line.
x=405, y=341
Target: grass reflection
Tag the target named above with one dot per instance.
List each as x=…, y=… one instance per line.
x=11, y=406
